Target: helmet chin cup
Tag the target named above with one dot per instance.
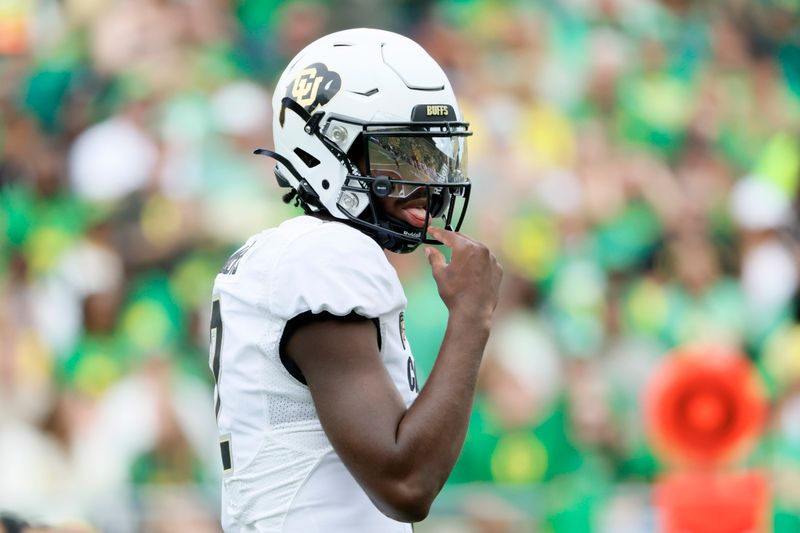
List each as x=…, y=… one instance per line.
x=390, y=240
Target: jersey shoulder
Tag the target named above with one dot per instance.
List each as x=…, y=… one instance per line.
x=331, y=267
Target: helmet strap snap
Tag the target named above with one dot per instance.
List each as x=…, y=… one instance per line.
x=381, y=186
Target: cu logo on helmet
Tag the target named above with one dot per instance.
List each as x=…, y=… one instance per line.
x=314, y=86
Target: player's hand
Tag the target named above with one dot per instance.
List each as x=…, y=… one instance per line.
x=470, y=283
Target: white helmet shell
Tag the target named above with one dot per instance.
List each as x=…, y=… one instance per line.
x=359, y=75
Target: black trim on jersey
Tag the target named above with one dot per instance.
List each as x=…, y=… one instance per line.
x=225, y=453
x=216, y=326
x=296, y=322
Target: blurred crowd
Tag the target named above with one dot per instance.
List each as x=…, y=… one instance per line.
x=635, y=166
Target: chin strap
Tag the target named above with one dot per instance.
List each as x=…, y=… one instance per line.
x=389, y=238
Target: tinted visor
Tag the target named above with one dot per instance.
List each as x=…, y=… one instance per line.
x=413, y=161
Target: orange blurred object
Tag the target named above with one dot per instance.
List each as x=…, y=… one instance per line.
x=13, y=29
x=704, y=407
x=713, y=503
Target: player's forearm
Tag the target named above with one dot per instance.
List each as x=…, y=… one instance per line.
x=431, y=433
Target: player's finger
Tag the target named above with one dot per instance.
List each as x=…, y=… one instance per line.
x=435, y=258
x=448, y=238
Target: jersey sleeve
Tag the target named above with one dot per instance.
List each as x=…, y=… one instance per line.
x=334, y=269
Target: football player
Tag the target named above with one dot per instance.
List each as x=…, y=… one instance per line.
x=321, y=425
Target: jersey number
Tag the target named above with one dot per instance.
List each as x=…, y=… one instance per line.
x=214, y=350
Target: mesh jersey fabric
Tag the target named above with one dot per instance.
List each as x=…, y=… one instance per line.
x=284, y=474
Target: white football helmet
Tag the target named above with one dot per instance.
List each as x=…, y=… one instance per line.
x=364, y=114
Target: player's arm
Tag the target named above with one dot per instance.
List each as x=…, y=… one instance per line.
x=402, y=457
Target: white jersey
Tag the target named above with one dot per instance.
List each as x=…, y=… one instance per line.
x=281, y=472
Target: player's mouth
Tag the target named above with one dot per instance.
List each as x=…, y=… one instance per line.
x=416, y=216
